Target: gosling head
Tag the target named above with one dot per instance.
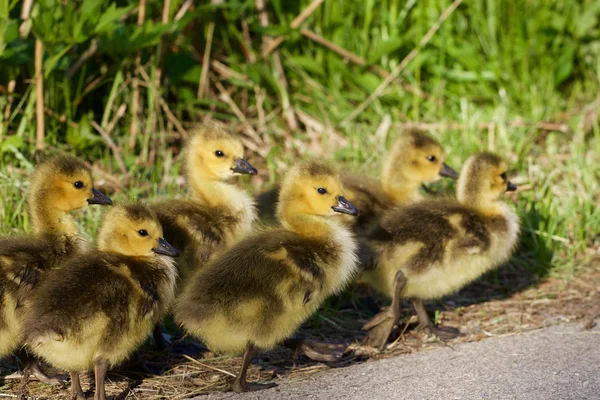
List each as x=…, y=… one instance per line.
x=215, y=154
x=415, y=158
x=483, y=180
x=312, y=188
x=133, y=230
x=59, y=185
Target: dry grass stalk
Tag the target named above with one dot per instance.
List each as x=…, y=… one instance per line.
x=382, y=130
x=25, y=25
x=203, y=84
x=394, y=74
x=248, y=52
x=452, y=125
x=224, y=96
x=135, y=100
x=113, y=147
x=295, y=24
x=40, y=127
x=288, y=110
x=348, y=55
x=184, y=8
x=164, y=20
x=171, y=117
x=9, y=100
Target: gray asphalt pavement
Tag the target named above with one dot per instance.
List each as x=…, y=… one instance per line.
x=561, y=362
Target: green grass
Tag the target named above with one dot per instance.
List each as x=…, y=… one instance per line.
x=493, y=61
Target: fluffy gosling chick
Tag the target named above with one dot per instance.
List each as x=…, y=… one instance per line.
x=217, y=212
x=97, y=309
x=433, y=248
x=414, y=159
x=59, y=186
x=257, y=293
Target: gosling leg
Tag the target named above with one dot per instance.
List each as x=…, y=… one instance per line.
x=380, y=326
x=159, y=339
x=100, y=368
x=76, y=390
x=240, y=385
x=427, y=325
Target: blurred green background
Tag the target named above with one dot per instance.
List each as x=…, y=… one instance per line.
x=123, y=82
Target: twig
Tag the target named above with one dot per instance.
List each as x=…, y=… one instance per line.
x=40, y=133
x=9, y=100
x=113, y=147
x=383, y=129
x=348, y=55
x=208, y=366
x=556, y=238
x=133, y=128
x=165, y=20
x=25, y=12
x=295, y=24
x=171, y=117
x=118, y=115
x=288, y=110
x=452, y=125
x=83, y=58
x=164, y=105
x=203, y=84
x=334, y=47
x=394, y=74
x=227, y=72
x=186, y=6
x=238, y=113
x=247, y=48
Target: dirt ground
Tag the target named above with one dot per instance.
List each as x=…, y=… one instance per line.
x=505, y=302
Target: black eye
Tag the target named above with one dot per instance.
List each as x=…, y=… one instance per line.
x=431, y=158
x=503, y=176
x=219, y=153
x=78, y=185
x=143, y=232
x=322, y=190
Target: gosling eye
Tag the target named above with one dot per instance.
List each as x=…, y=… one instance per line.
x=143, y=232
x=503, y=176
x=322, y=190
x=431, y=158
x=78, y=185
x=219, y=153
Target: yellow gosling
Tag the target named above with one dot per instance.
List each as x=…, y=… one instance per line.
x=96, y=310
x=60, y=185
x=433, y=248
x=257, y=293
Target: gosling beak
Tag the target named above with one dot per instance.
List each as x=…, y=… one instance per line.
x=448, y=172
x=99, y=198
x=243, y=167
x=165, y=248
x=345, y=207
x=511, y=187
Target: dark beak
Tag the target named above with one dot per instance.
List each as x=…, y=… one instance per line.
x=165, y=248
x=99, y=198
x=243, y=167
x=345, y=207
x=448, y=172
x=511, y=187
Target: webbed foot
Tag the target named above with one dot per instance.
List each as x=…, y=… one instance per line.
x=316, y=350
x=49, y=379
x=379, y=329
x=239, y=387
x=444, y=333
